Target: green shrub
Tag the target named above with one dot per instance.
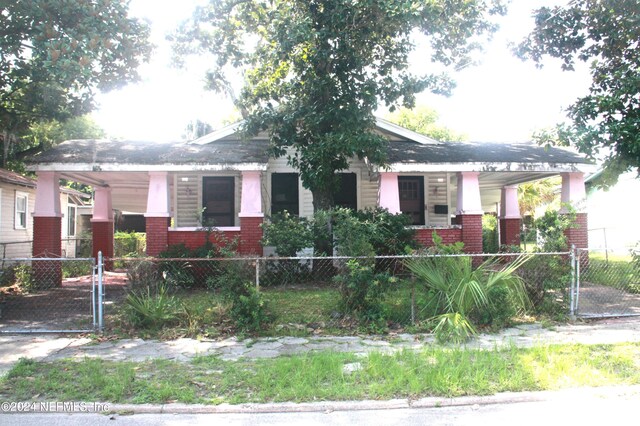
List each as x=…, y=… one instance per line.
x=288, y=234
x=248, y=308
x=490, y=243
x=547, y=279
x=24, y=278
x=151, y=309
x=127, y=244
x=362, y=290
x=390, y=234
x=551, y=229
x=457, y=294
x=76, y=268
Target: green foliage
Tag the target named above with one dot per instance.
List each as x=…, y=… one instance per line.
x=362, y=290
x=389, y=234
x=248, y=308
x=56, y=54
x=316, y=71
x=551, y=229
x=73, y=268
x=457, y=293
x=422, y=119
x=603, y=33
x=129, y=244
x=24, y=278
x=288, y=234
x=547, y=279
x=151, y=308
x=490, y=243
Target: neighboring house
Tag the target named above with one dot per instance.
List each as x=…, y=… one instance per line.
x=17, y=199
x=444, y=186
x=610, y=225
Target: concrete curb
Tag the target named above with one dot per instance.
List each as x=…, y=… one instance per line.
x=574, y=394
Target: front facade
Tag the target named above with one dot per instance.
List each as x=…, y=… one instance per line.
x=223, y=182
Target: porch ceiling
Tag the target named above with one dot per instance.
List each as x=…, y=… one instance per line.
x=129, y=190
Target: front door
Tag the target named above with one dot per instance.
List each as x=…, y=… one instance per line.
x=411, y=191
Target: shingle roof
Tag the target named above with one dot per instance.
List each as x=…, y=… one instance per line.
x=479, y=152
x=16, y=179
x=92, y=151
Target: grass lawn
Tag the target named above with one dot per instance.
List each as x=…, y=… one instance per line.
x=434, y=371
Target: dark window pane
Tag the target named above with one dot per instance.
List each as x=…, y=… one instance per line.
x=347, y=195
x=218, y=201
x=284, y=193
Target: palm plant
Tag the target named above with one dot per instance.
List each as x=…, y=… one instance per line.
x=456, y=291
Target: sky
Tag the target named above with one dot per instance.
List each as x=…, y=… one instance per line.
x=503, y=99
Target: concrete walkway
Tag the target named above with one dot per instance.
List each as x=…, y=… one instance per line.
x=53, y=347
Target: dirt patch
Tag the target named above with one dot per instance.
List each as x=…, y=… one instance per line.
x=64, y=308
x=599, y=300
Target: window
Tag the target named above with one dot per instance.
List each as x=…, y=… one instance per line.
x=71, y=220
x=284, y=193
x=218, y=201
x=347, y=194
x=411, y=191
x=22, y=205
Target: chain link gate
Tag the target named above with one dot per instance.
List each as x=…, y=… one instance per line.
x=50, y=295
x=607, y=283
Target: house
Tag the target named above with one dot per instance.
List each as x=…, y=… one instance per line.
x=17, y=198
x=609, y=228
x=219, y=178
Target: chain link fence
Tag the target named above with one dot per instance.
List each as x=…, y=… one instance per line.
x=608, y=283
x=332, y=294
x=303, y=294
x=48, y=295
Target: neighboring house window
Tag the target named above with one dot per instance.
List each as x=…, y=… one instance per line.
x=284, y=193
x=347, y=194
x=71, y=221
x=218, y=201
x=411, y=191
x=22, y=204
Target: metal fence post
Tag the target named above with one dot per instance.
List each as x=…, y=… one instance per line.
x=94, y=284
x=572, y=286
x=100, y=294
x=258, y=274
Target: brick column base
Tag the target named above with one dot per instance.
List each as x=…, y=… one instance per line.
x=250, y=235
x=579, y=236
x=157, y=234
x=47, y=242
x=471, y=232
x=103, y=241
x=510, y=232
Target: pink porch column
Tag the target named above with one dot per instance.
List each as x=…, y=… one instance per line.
x=470, y=211
x=102, y=225
x=47, y=230
x=389, y=194
x=251, y=215
x=157, y=216
x=574, y=194
x=510, y=219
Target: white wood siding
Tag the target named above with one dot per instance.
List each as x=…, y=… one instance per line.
x=19, y=239
x=437, y=193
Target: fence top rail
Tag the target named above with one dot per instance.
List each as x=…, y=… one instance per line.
x=274, y=258
x=64, y=259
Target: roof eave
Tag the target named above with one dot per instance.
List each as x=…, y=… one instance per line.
x=111, y=167
x=493, y=167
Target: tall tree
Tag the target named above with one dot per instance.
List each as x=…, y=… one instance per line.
x=606, y=33
x=55, y=55
x=315, y=70
x=424, y=120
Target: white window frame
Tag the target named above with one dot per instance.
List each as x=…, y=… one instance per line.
x=18, y=218
x=71, y=219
